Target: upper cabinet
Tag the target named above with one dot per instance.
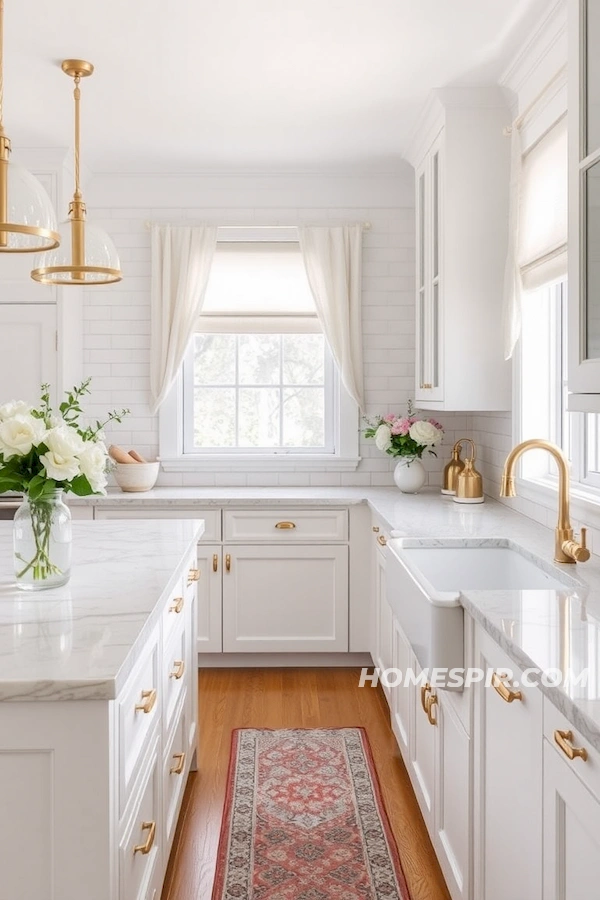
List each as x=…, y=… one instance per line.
x=462, y=162
x=584, y=205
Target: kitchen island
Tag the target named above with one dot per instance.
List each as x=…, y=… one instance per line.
x=98, y=713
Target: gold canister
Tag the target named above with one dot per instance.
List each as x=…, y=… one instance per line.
x=469, y=484
x=452, y=470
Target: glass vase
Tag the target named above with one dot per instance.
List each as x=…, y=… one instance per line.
x=42, y=543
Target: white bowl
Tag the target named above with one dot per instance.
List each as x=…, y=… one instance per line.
x=136, y=476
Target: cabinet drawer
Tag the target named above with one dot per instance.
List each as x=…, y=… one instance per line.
x=285, y=525
x=176, y=671
x=140, y=847
x=587, y=771
x=176, y=766
x=138, y=707
x=212, y=517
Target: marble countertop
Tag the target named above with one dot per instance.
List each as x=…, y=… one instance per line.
x=554, y=631
x=80, y=641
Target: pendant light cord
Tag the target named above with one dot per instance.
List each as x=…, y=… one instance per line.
x=77, y=96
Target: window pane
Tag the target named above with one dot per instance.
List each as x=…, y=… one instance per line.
x=592, y=443
x=540, y=389
x=214, y=417
x=259, y=417
x=214, y=359
x=303, y=359
x=592, y=251
x=259, y=358
x=303, y=420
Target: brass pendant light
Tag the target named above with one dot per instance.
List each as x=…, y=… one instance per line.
x=87, y=254
x=27, y=219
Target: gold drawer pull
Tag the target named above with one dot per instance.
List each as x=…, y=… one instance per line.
x=228, y=561
x=150, y=827
x=382, y=540
x=376, y=529
x=424, y=691
x=426, y=387
x=430, y=703
x=507, y=694
x=215, y=562
x=178, y=670
x=286, y=526
x=193, y=575
x=563, y=739
x=178, y=769
x=177, y=605
x=149, y=699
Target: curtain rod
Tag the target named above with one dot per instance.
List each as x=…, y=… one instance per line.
x=531, y=106
x=148, y=225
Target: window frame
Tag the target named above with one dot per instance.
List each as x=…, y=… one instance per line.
x=585, y=485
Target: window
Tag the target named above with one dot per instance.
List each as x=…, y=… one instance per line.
x=259, y=392
x=543, y=388
x=258, y=388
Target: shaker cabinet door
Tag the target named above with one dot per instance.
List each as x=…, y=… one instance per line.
x=32, y=328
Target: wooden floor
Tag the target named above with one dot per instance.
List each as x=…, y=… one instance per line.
x=290, y=698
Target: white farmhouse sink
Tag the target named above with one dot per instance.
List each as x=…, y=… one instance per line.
x=425, y=579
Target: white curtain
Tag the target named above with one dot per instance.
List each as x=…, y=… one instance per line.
x=181, y=261
x=513, y=288
x=333, y=262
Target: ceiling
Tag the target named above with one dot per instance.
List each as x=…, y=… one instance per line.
x=247, y=85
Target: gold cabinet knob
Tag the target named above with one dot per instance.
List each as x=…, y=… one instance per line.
x=178, y=768
x=376, y=529
x=430, y=703
x=228, y=561
x=177, y=605
x=381, y=539
x=563, y=739
x=285, y=526
x=179, y=669
x=148, y=701
x=215, y=562
x=150, y=827
x=424, y=691
x=193, y=575
x=508, y=694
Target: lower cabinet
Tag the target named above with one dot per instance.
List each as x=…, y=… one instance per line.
x=210, y=599
x=285, y=598
x=437, y=753
x=508, y=780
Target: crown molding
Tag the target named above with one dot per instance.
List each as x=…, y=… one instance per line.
x=541, y=45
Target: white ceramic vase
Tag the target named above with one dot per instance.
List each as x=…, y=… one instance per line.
x=409, y=474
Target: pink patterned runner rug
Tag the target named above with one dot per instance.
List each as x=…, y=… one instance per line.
x=304, y=820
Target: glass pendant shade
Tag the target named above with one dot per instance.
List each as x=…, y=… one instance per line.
x=100, y=260
x=30, y=224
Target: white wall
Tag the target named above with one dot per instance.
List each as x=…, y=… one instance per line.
x=117, y=318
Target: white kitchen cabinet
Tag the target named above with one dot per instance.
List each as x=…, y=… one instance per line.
x=584, y=206
x=210, y=564
x=571, y=831
x=28, y=356
x=507, y=780
x=453, y=802
x=422, y=758
x=402, y=695
x=461, y=160
x=382, y=652
x=286, y=598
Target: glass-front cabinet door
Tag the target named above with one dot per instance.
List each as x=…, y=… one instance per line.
x=584, y=205
x=429, y=382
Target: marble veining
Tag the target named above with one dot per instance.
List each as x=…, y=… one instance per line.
x=80, y=641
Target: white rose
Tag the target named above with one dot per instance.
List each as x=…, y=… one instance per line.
x=14, y=408
x=424, y=433
x=92, y=462
x=19, y=434
x=64, y=441
x=60, y=468
x=383, y=437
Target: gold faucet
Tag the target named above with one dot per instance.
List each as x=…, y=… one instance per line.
x=566, y=548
